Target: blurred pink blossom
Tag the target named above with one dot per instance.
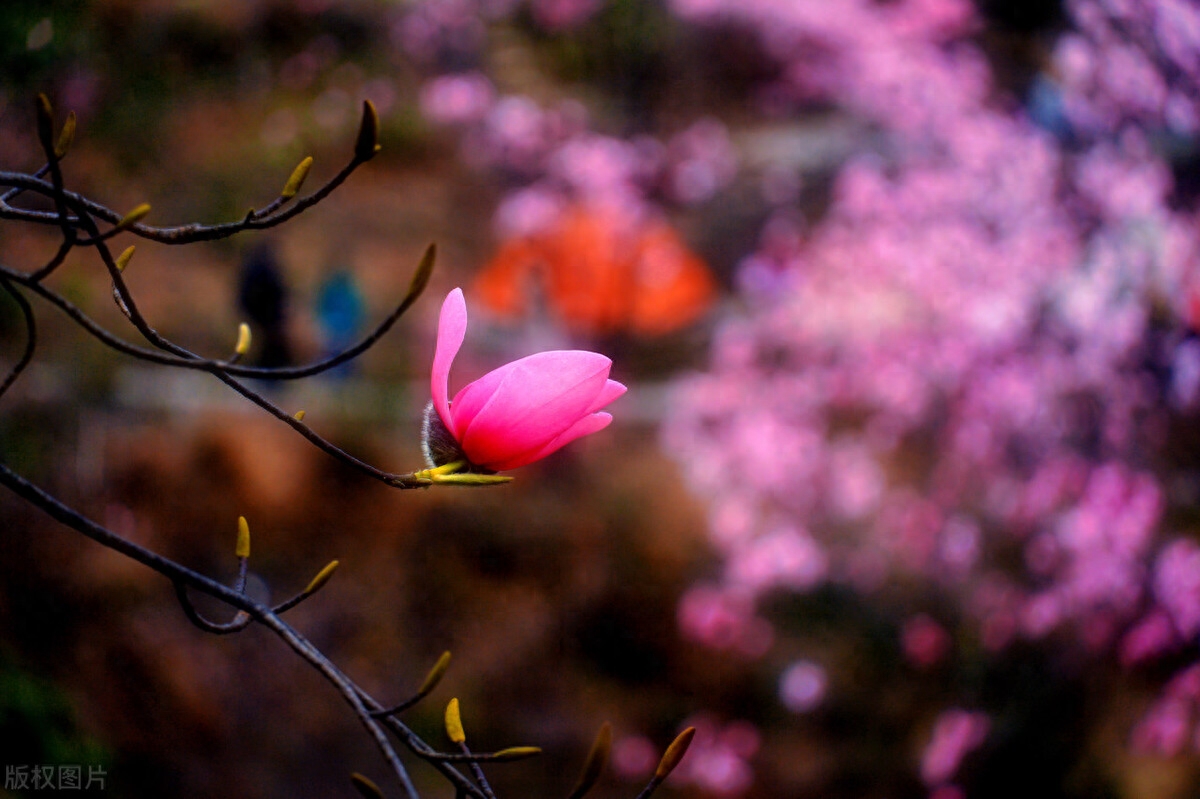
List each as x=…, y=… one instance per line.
x=724, y=620
x=1165, y=730
x=700, y=161
x=785, y=557
x=457, y=99
x=956, y=733
x=924, y=641
x=634, y=757
x=948, y=792
x=563, y=14
x=1149, y=638
x=802, y=686
x=963, y=357
x=528, y=212
x=1171, y=721
x=718, y=760
x=1177, y=585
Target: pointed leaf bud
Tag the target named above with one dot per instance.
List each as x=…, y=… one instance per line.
x=123, y=258
x=292, y=187
x=596, y=760
x=364, y=786
x=298, y=416
x=322, y=577
x=468, y=479
x=367, y=143
x=243, y=538
x=454, y=727
x=65, y=137
x=243, y=339
x=674, y=753
x=516, y=753
x=45, y=122
x=435, y=674
x=133, y=217
x=420, y=278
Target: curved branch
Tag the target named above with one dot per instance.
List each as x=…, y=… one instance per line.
x=30, y=336
x=403, y=480
x=204, y=364
x=240, y=621
x=358, y=700
x=182, y=234
x=16, y=192
x=46, y=139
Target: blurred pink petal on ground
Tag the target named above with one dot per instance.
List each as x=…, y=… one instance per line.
x=525, y=410
x=956, y=733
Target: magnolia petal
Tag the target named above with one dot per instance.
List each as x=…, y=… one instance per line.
x=473, y=397
x=452, y=329
x=589, y=424
x=612, y=389
x=538, y=398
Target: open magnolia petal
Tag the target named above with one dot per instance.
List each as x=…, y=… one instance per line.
x=473, y=396
x=452, y=329
x=539, y=397
x=589, y=424
x=612, y=389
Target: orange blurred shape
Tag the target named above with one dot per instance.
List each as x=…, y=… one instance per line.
x=601, y=274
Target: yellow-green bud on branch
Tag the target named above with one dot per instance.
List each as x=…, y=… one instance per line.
x=243, y=538
x=468, y=479
x=365, y=787
x=123, y=258
x=454, y=727
x=674, y=753
x=133, y=217
x=322, y=577
x=435, y=675
x=596, y=760
x=45, y=122
x=516, y=753
x=420, y=278
x=292, y=187
x=449, y=474
x=445, y=468
x=367, y=143
x=65, y=137
x=298, y=416
x=243, y=339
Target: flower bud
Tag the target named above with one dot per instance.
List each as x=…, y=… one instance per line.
x=517, y=414
x=454, y=727
x=367, y=143
x=243, y=538
x=292, y=187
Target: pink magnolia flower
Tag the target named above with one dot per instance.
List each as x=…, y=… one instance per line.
x=516, y=414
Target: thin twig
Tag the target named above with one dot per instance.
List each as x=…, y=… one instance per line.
x=421, y=749
x=477, y=771
x=182, y=234
x=30, y=336
x=46, y=139
x=202, y=364
x=12, y=194
x=239, y=622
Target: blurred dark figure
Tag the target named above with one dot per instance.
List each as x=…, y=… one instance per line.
x=341, y=312
x=263, y=296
